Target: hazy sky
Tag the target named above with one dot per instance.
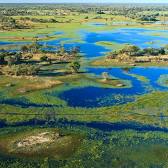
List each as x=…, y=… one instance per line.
x=83, y=1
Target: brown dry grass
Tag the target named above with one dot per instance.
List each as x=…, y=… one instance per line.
x=38, y=84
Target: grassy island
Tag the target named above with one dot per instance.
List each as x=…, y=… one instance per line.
x=131, y=55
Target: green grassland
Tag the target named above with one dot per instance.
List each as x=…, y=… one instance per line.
x=97, y=148
x=77, y=22
x=53, y=143
x=163, y=80
x=139, y=77
x=146, y=109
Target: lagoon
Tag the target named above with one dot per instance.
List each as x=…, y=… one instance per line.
x=92, y=96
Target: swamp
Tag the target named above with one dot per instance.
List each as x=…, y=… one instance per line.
x=83, y=85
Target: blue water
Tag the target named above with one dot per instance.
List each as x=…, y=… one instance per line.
x=153, y=74
x=139, y=37
x=51, y=34
x=136, y=36
x=98, y=97
x=5, y=43
x=97, y=24
x=88, y=49
x=93, y=96
x=118, y=126
x=23, y=103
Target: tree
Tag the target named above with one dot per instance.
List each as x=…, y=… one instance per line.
x=162, y=51
x=44, y=58
x=75, y=51
x=130, y=50
x=112, y=55
x=61, y=50
x=151, y=51
x=74, y=66
x=2, y=58
x=166, y=49
x=34, y=47
x=21, y=69
x=24, y=48
x=10, y=60
x=18, y=57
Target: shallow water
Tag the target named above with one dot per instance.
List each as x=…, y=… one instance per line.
x=104, y=126
x=99, y=97
x=93, y=96
x=136, y=36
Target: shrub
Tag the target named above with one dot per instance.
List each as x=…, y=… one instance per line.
x=22, y=69
x=44, y=58
x=74, y=66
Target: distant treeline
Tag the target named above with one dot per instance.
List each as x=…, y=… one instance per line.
x=39, y=20
x=132, y=10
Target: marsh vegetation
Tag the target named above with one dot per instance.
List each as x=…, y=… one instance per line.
x=83, y=85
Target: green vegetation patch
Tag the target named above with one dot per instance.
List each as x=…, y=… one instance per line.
x=38, y=143
x=139, y=77
x=163, y=80
x=124, y=148
x=110, y=45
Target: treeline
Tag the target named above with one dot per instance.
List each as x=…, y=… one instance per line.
x=31, y=10
x=10, y=23
x=135, y=51
x=129, y=10
x=148, y=18
x=39, y=20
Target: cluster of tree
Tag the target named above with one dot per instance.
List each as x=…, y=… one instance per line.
x=59, y=51
x=74, y=51
x=21, y=69
x=10, y=23
x=131, y=10
x=148, y=18
x=39, y=20
x=139, y=11
x=13, y=63
x=33, y=9
x=31, y=48
x=132, y=50
x=100, y=12
x=66, y=55
x=10, y=58
x=74, y=66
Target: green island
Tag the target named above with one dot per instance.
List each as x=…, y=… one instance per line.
x=131, y=55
